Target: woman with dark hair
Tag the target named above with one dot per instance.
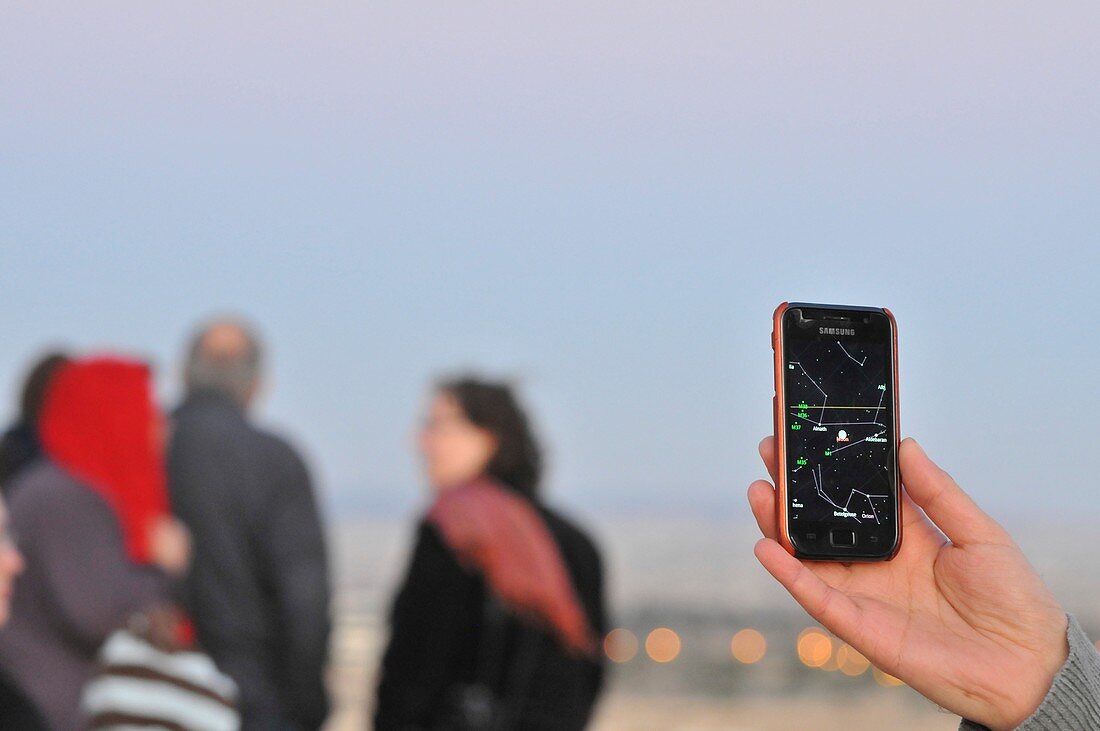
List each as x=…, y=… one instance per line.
x=93, y=523
x=19, y=446
x=499, y=621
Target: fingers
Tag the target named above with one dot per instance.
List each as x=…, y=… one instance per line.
x=943, y=501
x=767, y=453
x=762, y=494
x=827, y=605
x=762, y=502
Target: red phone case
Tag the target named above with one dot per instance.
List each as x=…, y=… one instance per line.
x=782, y=501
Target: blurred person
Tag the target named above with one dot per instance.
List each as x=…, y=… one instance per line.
x=258, y=590
x=16, y=712
x=93, y=523
x=959, y=614
x=20, y=446
x=499, y=619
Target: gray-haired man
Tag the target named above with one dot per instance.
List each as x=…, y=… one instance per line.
x=259, y=586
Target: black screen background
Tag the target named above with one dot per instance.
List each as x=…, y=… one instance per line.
x=834, y=384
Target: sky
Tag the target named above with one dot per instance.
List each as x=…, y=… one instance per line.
x=603, y=202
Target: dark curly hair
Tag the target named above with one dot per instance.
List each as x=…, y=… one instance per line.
x=39, y=377
x=517, y=462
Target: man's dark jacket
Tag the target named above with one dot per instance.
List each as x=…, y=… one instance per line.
x=258, y=590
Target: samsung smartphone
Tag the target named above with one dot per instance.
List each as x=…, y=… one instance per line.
x=836, y=427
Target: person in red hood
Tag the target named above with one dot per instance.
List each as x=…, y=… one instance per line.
x=499, y=620
x=92, y=516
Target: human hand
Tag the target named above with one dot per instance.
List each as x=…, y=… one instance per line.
x=163, y=626
x=170, y=543
x=963, y=619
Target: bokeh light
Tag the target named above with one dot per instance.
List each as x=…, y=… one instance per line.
x=620, y=645
x=814, y=647
x=662, y=645
x=886, y=679
x=832, y=664
x=748, y=646
x=851, y=661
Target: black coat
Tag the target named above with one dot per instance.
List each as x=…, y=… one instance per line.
x=16, y=712
x=436, y=637
x=258, y=589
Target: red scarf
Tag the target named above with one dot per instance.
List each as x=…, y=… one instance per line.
x=98, y=424
x=500, y=535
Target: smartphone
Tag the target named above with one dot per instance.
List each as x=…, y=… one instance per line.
x=836, y=430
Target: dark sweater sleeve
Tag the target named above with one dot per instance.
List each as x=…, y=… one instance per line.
x=430, y=617
x=1073, y=702
x=93, y=585
x=292, y=543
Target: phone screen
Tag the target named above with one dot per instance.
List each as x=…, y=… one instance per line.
x=840, y=441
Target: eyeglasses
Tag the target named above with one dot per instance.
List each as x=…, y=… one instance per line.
x=446, y=424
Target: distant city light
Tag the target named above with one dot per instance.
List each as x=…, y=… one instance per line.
x=662, y=645
x=748, y=646
x=851, y=662
x=832, y=664
x=620, y=645
x=814, y=647
x=886, y=679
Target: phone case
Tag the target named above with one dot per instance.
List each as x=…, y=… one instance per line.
x=778, y=399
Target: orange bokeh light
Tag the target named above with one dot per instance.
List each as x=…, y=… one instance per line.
x=851, y=662
x=886, y=679
x=620, y=645
x=662, y=645
x=748, y=646
x=814, y=647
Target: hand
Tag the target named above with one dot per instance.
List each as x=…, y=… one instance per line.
x=964, y=620
x=162, y=626
x=170, y=543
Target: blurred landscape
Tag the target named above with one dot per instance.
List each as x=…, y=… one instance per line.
x=698, y=578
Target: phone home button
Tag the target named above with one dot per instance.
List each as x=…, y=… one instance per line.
x=842, y=537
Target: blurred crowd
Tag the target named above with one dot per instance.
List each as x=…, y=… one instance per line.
x=168, y=568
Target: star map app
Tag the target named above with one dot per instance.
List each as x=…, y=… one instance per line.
x=839, y=422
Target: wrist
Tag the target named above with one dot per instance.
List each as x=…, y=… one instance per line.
x=1032, y=691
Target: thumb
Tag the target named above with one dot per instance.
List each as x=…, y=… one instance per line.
x=827, y=605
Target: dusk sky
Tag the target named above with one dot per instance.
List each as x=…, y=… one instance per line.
x=604, y=202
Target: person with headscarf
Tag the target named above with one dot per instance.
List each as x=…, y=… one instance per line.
x=19, y=445
x=101, y=550
x=499, y=620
